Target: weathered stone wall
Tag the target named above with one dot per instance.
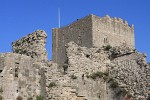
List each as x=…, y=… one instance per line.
x=32, y=45
x=79, y=32
x=1, y=62
x=20, y=77
x=112, y=31
x=82, y=63
x=132, y=73
x=128, y=74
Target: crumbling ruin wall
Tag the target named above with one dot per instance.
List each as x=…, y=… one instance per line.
x=76, y=78
x=1, y=62
x=122, y=73
x=20, y=77
x=131, y=71
x=32, y=45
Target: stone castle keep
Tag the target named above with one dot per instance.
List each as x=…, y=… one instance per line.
x=92, y=31
x=93, y=59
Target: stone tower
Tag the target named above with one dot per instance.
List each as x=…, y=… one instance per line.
x=92, y=31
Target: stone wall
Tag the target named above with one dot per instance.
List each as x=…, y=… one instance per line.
x=20, y=77
x=132, y=72
x=125, y=74
x=82, y=63
x=1, y=62
x=112, y=31
x=79, y=32
x=32, y=45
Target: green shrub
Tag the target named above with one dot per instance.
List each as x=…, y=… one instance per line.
x=52, y=84
x=39, y=98
x=19, y=98
x=1, y=98
x=1, y=90
x=107, y=48
x=106, y=78
x=93, y=76
x=96, y=74
x=129, y=95
x=17, y=50
x=16, y=74
x=16, y=69
x=121, y=92
x=87, y=76
x=106, y=73
x=30, y=98
x=114, y=84
x=73, y=77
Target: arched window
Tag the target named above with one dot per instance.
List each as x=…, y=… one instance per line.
x=106, y=40
x=79, y=40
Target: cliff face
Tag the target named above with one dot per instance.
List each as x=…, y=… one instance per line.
x=100, y=73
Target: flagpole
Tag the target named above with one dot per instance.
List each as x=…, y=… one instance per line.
x=59, y=17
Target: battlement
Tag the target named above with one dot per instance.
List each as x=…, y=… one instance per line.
x=106, y=18
x=115, y=20
x=118, y=21
x=32, y=45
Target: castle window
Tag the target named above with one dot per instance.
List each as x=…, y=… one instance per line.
x=105, y=40
x=79, y=40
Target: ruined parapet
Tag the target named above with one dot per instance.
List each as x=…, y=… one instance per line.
x=1, y=62
x=32, y=45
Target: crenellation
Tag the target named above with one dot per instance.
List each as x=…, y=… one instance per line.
x=125, y=22
x=120, y=20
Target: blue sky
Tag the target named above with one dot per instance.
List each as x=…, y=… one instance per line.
x=20, y=17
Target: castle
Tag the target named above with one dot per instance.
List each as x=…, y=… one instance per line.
x=92, y=31
x=93, y=59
